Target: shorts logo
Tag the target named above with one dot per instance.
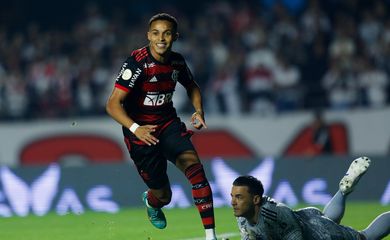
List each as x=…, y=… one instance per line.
x=127, y=74
x=157, y=99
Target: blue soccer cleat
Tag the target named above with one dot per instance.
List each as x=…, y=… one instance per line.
x=155, y=215
x=357, y=168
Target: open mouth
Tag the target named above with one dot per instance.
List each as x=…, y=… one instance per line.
x=161, y=45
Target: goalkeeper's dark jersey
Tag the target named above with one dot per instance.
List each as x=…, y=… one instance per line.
x=277, y=221
x=150, y=85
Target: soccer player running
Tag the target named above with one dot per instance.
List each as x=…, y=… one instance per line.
x=260, y=217
x=142, y=103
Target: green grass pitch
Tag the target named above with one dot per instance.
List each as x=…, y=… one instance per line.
x=132, y=224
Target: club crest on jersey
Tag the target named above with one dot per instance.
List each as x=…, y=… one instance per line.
x=175, y=75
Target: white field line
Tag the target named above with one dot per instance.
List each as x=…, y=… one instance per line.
x=220, y=236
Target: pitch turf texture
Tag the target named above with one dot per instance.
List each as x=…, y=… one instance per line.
x=132, y=224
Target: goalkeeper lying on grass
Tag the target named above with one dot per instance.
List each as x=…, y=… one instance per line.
x=260, y=217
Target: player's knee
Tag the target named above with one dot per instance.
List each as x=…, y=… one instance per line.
x=186, y=159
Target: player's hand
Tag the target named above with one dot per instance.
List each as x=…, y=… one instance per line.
x=144, y=133
x=197, y=120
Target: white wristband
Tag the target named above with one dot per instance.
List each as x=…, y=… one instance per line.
x=133, y=127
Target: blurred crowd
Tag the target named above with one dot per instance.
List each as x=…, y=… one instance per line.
x=259, y=57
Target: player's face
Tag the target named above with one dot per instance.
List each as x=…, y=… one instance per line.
x=161, y=36
x=243, y=202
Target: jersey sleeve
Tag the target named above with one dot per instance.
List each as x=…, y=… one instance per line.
x=130, y=72
x=186, y=78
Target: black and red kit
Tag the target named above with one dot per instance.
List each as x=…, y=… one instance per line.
x=150, y=85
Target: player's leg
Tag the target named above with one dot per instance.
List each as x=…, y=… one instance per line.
x=154, y=200
x=355, y=171
x=336, y=207
x=188, y=162
x=152, y=167
x=178, y=148
x=379, y=228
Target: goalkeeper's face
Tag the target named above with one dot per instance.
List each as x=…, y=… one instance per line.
x=243, y=202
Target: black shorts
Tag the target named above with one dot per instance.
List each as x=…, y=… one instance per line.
x=151, y=161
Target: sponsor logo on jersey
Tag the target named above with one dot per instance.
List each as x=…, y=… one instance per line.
x=122, y=70
x=157, y=99
x=126, y=75
x=175, y=75
x=135, y=77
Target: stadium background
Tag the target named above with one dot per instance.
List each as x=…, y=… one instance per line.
x=265, y=68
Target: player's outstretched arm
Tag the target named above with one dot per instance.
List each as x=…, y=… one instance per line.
x=197, y=118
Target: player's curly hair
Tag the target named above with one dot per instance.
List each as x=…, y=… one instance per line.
x=164, y=16
x=254, y=185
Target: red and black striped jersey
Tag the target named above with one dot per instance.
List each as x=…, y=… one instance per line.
x=150, y=85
